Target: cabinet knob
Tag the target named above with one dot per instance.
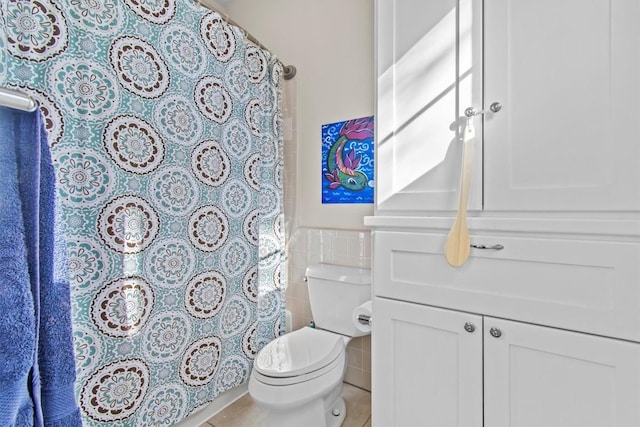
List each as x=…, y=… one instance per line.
x=495, y=332
x=469, y=327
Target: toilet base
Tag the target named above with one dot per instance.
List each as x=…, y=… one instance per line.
x=314, y=414
x=336, y=420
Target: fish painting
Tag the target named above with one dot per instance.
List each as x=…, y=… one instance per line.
x=344, y=167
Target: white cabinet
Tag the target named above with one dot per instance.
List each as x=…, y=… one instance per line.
x=555, y=201
x=436, y=367
x=427, y=370
x=429, y=70
x=543, y=377
x=567, y=74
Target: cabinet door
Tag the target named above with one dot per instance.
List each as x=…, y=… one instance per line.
x=567, y=73
x=537, y=376
x=429, y=70
x=427, y=369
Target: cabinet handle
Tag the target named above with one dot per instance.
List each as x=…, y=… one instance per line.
x=494, y=247
x=495, y=332
x=469, y=327
x=494, y=108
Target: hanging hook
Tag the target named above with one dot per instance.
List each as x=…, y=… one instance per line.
x=494, y=108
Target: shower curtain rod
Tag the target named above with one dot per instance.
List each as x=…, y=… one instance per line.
x=289, y=71
x=18, y=100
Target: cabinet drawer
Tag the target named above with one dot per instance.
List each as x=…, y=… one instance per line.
x=589, y=286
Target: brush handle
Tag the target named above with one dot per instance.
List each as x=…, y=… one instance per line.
x=458, y=241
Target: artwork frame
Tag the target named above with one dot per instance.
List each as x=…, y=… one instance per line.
x=348, y=161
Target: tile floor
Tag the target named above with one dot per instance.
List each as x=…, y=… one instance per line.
x=244, y=413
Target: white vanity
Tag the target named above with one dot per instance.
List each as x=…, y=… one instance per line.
x=541, y=325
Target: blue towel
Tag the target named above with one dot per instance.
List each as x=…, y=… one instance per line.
x=37, y=369
x=17, y=318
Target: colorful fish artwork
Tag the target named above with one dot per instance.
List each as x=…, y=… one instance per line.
x=347, y=156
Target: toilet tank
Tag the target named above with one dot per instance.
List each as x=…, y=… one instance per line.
x=334, y=292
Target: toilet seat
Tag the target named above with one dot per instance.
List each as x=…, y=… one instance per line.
x=299, y=356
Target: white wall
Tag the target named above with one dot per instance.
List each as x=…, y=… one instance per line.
x=330, y=42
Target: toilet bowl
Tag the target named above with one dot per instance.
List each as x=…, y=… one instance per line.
x=298, y=376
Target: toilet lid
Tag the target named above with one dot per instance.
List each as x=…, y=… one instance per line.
x=299, y=352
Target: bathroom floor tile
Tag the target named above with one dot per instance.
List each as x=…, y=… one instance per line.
x=245, y=413
x=358, y=406
x=241, y=413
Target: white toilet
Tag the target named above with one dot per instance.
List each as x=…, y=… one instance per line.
x=298, y=376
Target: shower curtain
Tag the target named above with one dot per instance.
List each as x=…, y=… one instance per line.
x=165, y=129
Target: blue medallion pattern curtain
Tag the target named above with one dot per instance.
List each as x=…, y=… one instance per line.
x=165, y=130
